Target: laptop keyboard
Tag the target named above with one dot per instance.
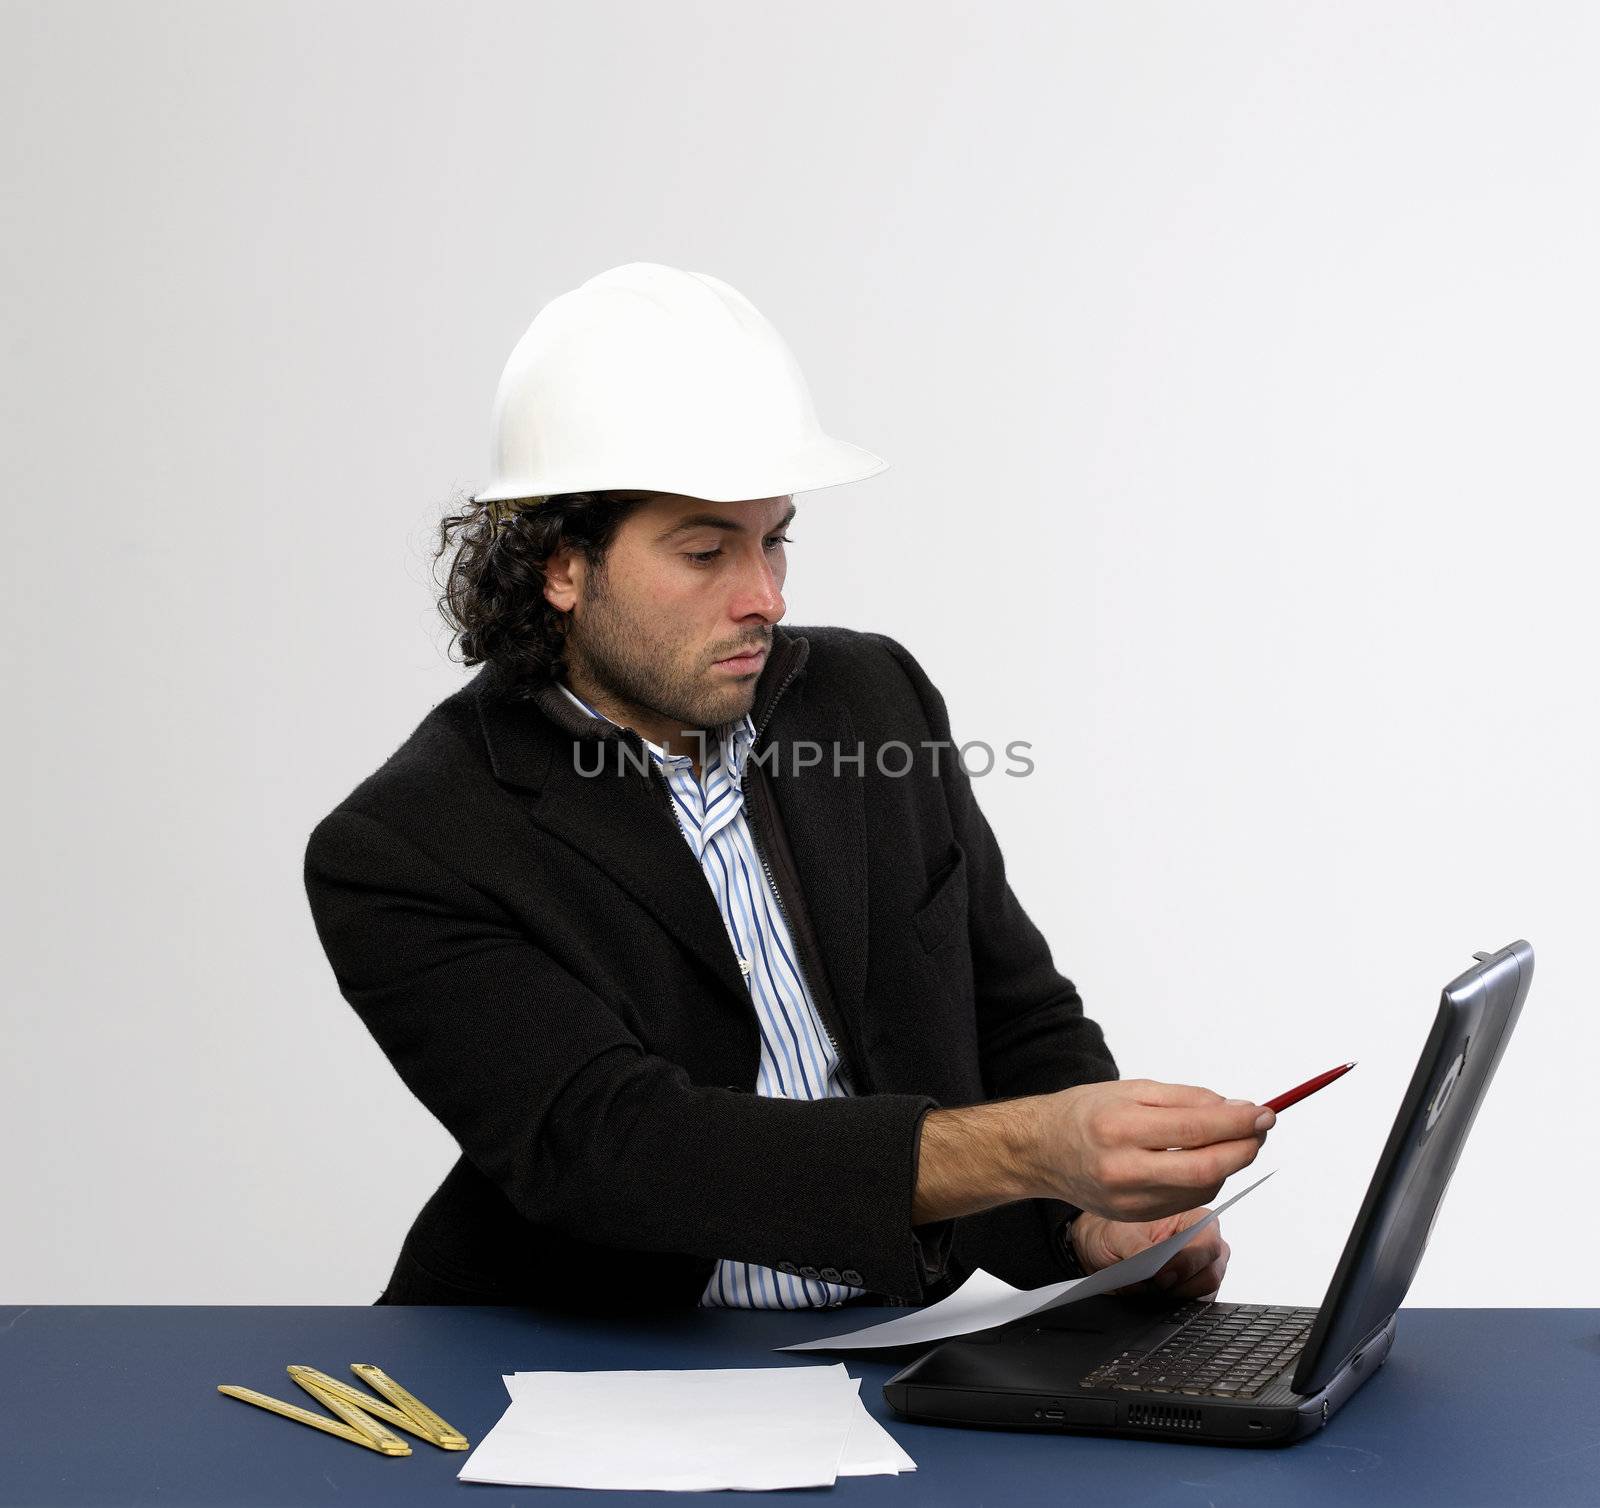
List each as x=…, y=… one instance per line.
x=1231, y=1352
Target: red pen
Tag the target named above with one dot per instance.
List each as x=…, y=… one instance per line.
x=1311, y=1086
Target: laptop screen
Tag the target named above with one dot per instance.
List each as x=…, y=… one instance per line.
x=1476, y=1014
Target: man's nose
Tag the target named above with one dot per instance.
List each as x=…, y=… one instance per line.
x=758, y=592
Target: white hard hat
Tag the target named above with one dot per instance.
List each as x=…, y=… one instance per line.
x=652, y=378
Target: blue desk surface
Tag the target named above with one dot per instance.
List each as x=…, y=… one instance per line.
x=102, y=1404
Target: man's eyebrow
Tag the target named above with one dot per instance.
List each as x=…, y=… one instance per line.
x=717, y=521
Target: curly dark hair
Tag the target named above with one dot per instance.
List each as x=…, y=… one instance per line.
x=493, y=595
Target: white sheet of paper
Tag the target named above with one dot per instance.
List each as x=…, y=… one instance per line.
x=738, y=1428
x=755, y=1429
x=984, y=1300
x=871, y=1450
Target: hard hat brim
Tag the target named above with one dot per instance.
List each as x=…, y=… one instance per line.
x=824, y=463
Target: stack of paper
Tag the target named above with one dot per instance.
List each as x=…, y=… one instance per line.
x=754, y=1428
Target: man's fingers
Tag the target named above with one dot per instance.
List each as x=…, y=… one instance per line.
x=1207, y=1280
x=1194, y=1258
x=1192, y=1177
x=1153, y=1092
x=1196, y=1125
x=1186, y=1264
x=1214, y=1164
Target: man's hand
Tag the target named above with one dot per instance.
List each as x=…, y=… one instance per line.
x=1128, y=1149
x=1190, y=1273
x=1137, y=1150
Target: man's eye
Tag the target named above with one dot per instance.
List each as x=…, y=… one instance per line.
x=705, y=557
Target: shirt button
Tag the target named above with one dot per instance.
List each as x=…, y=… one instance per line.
x=744, y=965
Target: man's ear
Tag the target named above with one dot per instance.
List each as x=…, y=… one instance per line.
x=563, y=570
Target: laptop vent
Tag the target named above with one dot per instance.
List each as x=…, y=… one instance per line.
x=1158, y=1416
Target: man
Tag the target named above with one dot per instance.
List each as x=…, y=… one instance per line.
x=722, y=1005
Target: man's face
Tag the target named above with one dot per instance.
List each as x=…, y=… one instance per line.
x=685, y=584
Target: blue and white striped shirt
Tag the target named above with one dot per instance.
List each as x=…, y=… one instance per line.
x=797, y=1062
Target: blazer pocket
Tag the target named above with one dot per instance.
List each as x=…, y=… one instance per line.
x=946, y=906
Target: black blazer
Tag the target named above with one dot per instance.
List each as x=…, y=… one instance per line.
x=537, y=951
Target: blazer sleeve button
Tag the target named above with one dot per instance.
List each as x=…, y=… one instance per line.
x=809, y=1272
x=789, y=1268
x=830, y=1275
x=850, y=1276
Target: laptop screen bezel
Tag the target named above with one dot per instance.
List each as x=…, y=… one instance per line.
x=1476, y=1014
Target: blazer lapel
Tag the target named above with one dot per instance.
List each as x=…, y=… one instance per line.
x=617, y=818
x=589, y=795
x=823, y=815
x=617, y=821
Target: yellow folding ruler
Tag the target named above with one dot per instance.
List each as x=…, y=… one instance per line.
x=360, y=1411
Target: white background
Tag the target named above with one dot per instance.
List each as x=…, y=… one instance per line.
x=1236, y=366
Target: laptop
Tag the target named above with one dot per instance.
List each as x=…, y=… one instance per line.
x=1245, y=1374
